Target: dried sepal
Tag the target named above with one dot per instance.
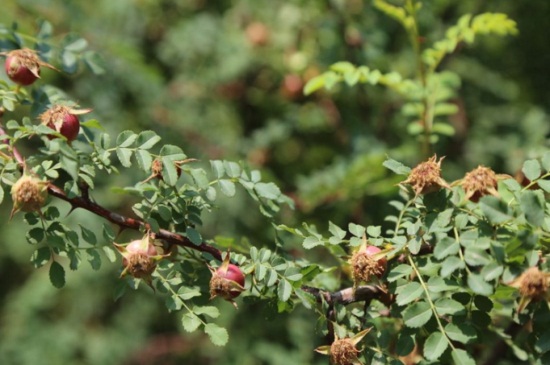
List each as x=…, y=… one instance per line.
x=479, y=182
x=140, y=258
x=367, y=262
x=29, y=194
x=426, y=177
x=55, y=115
x=533, y=286
x=25, y=58
x=156, y=168
x=343, y=351
x=227, y=281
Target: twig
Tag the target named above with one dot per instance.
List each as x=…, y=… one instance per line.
x=343, y=296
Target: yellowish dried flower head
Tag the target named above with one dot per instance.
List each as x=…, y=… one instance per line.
x=28, y=194
x=344, y=351
x=479, y=182
x=533, y=285
x=426, y=177
x=366, y=262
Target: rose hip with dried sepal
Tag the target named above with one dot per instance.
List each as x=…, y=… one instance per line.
x=23, y=66
x=227, y=281
x=64, y=120
x=426, y=177
x=343, y=351
x=367, y=261
x=28, y=194
x=140, y=258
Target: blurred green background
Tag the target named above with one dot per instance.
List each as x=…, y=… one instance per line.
x=223, y=80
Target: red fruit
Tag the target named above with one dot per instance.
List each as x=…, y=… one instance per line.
x=139, y=258
x=232, y=273
x=64, y=120
x=137, y=247
x=22, y=66
x=227, y=281
x=368, y=261
x=382, y=262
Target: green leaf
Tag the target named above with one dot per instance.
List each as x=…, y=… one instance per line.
x=190, y=322
x=172, y=152
x=443, y=128
x=218, y=335
x=496, y=211
x=57, y=275
x=200, y=177
x=435, y=345
x=144, y=160
x=461, y=357
x=93, y=258
x=284, y=290
x=35, y=235
x=208, y=310
x=408, y=293
x=293, y=273
x=405, y=342
x=492, y=271
x=478, y=284
x=186, y=293
x=88, y=235
x=267, y=190
x=461, y=332
x=543, y=342
x=546, y=161
x=445, y=247
x=94, y=62
x=124, y=155
x=110, y=253
x=169, y=171
x=312, y=241
x=531, y=169
x=193, y=235
x=396, y=167
x=483, y=303
x=399, y=272
x=446, y=306
x=41, y=256
x=475, y=256
x=232, y=169
x=417, y=315
x=74, y=43
x=147, y=139
x=532, y=204
x=126, y=139
x=356, y=230
x=218, y=168
x=544, y=184
x=314, y=84
x=336, y=231
x=227, y=187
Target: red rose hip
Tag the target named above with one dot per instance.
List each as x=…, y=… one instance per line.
x=64, y=120
x=368, y=261
x=227, y=281
x=23, y=66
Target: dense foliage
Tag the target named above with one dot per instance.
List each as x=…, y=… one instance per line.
x=181, y=156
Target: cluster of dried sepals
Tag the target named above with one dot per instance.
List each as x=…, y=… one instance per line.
x=425, y=178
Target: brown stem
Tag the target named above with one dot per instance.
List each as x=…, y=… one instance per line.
x=343, y=296
x=127, y=222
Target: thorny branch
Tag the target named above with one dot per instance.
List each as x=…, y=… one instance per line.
x=344, y=296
